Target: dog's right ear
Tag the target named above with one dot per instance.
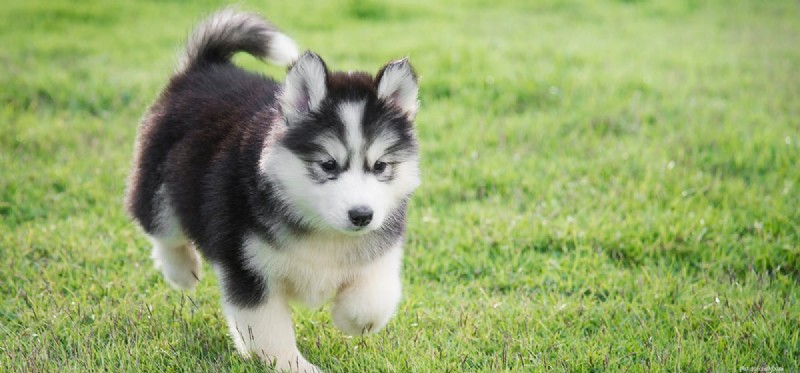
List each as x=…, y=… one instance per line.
x=304, y=87
x=397, y=86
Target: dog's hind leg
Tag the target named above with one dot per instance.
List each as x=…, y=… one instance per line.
x=173, y=254
x=148, y=202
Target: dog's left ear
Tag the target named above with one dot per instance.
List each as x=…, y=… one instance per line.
x=397, y=85
x=305, y=86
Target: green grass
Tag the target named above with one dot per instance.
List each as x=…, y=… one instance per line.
x=607, y=185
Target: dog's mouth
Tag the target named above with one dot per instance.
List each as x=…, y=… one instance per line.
x=354, y=230
x=358, y=230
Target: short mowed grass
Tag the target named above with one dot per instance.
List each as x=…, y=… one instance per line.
x=608, y=185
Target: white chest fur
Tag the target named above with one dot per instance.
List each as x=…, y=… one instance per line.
x=311, y=271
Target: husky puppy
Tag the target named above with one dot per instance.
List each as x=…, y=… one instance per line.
x=293, y=191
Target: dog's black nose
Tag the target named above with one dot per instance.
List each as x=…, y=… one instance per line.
x=360, y=216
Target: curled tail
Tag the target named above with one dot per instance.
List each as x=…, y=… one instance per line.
x=223, y=34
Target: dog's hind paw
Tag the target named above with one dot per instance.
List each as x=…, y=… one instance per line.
x=180, y=265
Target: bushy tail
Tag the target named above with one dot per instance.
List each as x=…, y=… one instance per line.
x=223, y=34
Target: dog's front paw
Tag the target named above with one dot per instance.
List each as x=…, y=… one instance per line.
x=364, y=310
x=286, y=362
x=296, y=363
x=353, y=324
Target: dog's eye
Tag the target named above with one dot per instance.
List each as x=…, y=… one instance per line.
x=328, y=166
x=379, y=167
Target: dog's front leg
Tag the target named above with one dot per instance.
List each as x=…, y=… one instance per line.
x=366, y=304
x=266, y=331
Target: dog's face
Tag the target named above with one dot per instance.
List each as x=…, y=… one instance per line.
x=347, y=157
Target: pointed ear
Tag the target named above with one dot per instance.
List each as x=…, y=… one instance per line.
x=305, y=86
x=397, y=85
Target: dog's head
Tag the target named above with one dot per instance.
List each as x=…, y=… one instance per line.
x=346, y=157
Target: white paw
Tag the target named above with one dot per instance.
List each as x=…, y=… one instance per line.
x=265, y=332
x=360, y=311
x=295, y=364
x=285, y=363
x=354, y=324
x=180, y=265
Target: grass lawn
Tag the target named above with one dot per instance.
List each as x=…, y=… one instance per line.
x=608, y=185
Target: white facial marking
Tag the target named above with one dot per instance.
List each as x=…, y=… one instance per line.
x=352, y=114
x=379, y=146
x=335, y=148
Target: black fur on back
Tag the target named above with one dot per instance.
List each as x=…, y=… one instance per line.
x=202, y=141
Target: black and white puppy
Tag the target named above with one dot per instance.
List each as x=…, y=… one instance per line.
x=293, y=192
